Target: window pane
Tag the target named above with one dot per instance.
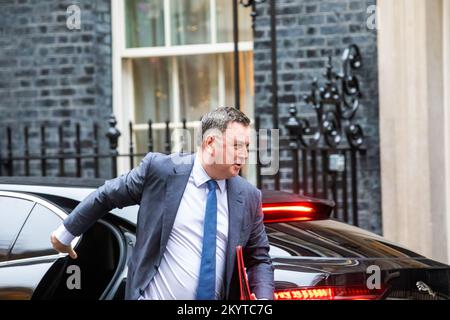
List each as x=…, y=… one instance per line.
x=245, y=81
x=152, y=89
x=198, y=85
x=205, y=82
x=13, y=214
x=144, y=23
x=190, y=22
x=34, y=239
x=224, y=9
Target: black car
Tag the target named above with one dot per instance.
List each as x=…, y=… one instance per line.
x=315, y=257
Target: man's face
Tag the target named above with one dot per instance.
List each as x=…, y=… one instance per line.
x=230, y=151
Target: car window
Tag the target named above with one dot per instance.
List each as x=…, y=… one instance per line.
x=331, y=239
x=34, y=239
x=13, y=213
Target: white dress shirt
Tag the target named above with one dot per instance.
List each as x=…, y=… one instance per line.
x=178, y=274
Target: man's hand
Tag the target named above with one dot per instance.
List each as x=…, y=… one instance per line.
x=58, y=246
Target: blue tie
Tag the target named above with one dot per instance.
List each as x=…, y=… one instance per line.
x=207, y=283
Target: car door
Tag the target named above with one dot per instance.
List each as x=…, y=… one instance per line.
x=26, y=254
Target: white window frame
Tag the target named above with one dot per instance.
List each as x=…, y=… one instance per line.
x=123, y=93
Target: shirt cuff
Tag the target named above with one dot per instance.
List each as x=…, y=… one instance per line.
x=63, y=235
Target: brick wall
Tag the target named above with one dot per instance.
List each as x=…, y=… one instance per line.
x=307, y=30
x=50, y=74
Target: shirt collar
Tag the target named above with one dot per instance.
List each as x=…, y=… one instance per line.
x=201, y=177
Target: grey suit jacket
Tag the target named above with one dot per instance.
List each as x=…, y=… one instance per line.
x=157, y=185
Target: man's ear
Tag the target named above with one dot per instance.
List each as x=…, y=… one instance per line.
x=209, y=144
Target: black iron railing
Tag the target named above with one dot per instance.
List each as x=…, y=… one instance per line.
x=325, y=156
x=77, y=156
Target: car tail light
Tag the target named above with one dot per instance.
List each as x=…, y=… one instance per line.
x=289, y=212
x=330, y=293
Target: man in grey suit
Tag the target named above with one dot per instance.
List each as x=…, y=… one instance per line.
x=194, y=211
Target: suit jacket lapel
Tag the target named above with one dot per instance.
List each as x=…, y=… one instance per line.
x=175, y=186
x=235, y=215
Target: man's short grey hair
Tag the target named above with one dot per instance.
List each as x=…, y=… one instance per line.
x=219, y=119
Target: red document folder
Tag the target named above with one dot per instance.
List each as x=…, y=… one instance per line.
x=243, y=280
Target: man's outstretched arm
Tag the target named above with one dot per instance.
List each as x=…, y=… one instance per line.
x=120, y=192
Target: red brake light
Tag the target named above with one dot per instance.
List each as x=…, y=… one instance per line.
x=288, y=208
x=330, y=293
x=290, y=212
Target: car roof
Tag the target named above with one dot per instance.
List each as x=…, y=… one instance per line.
x=268, y=196
x=54, y=181
x=63, y=190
